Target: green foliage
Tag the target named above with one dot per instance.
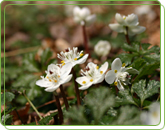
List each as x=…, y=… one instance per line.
x=45, y=120
x=8, y=97
x=144, y=90
x=99, y=100
x=76, y=116
x=45, y=56
x=30, y=63
x=128, y=116
x=7, y=119
x=124, y=97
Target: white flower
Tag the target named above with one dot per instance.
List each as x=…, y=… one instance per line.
x=83, y=16
x=153, y=116
x=102, y=48
x=92, y=75
x=119, y=74
x=72, y=56
x=56, y=76
x=130, y=21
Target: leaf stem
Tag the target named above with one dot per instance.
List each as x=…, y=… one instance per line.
x=76, y=88
x=60, y=114
x=64, y=97
x=85, y=40
x=32, y=105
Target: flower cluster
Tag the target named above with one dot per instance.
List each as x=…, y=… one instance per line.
x=57, y=75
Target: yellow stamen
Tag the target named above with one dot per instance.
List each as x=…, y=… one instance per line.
x=124, y=17
x=75, y=58
x=62, y=61
x=101, y=72
x=123, y=65
x=47, y=77
x=50, y=80
x=63, y=64
x=58, y=76
x=115, y=83
x=84, y=82
x=97, y=67
x=91, y=80
x=155, y=114
x=81, y=54
x=55, y=81
x=115, y=71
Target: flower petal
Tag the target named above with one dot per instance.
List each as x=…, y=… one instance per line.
x=116, y=64
x=90, y=19
x=76, y=11
x=99, y=80
x=51, y=89
x=116, y=27
x=82, y=60
x=43, y=83
x=110, y=76
x=86, y=86
x=104, y=67
x=84, y=12
x=81, y=79
x=136, y=30
x=131, y=20
x=119, y=18
x=77, y=19
x=119, y=85
x=66, y=79
x=66, y=69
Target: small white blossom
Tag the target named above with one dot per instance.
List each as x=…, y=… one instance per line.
x=56, y=75
x=83, y=16
x=130, y=22
x=102, y=48
x=92, y=75
x=119, y=74
x=72, y=56
x=153, y=116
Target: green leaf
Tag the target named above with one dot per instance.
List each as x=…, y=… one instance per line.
x=28, y=82
x=128, y=116
x=147, y=70
x=127, y=47
x=152, y=58
x=145, y=46
x=7, y=120
x=8, y=97
x=126, y=58
x=144, y=91
x=125, y=98
x=99, y=100
x=76, y=116
x=132, y=70
x=30, y=64
x=45, y=56
x=138, y=63
x=44, y=120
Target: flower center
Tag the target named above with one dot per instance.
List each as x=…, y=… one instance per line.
x=84, y=82
x=101, y=72
x=155, y=114
x=62, y=61
x=124, y=17
x=91, y=80
x=63, y=64
x=123, y=65
x=75, y=58
x=55, y=81
x=97, y=67
x=115, y=71
x=81, y=54
x=115, y=83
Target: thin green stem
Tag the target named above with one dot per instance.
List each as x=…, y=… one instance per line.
x=32, y=105
x=127, y=37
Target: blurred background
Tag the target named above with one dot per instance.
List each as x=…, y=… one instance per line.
x=34, y=34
